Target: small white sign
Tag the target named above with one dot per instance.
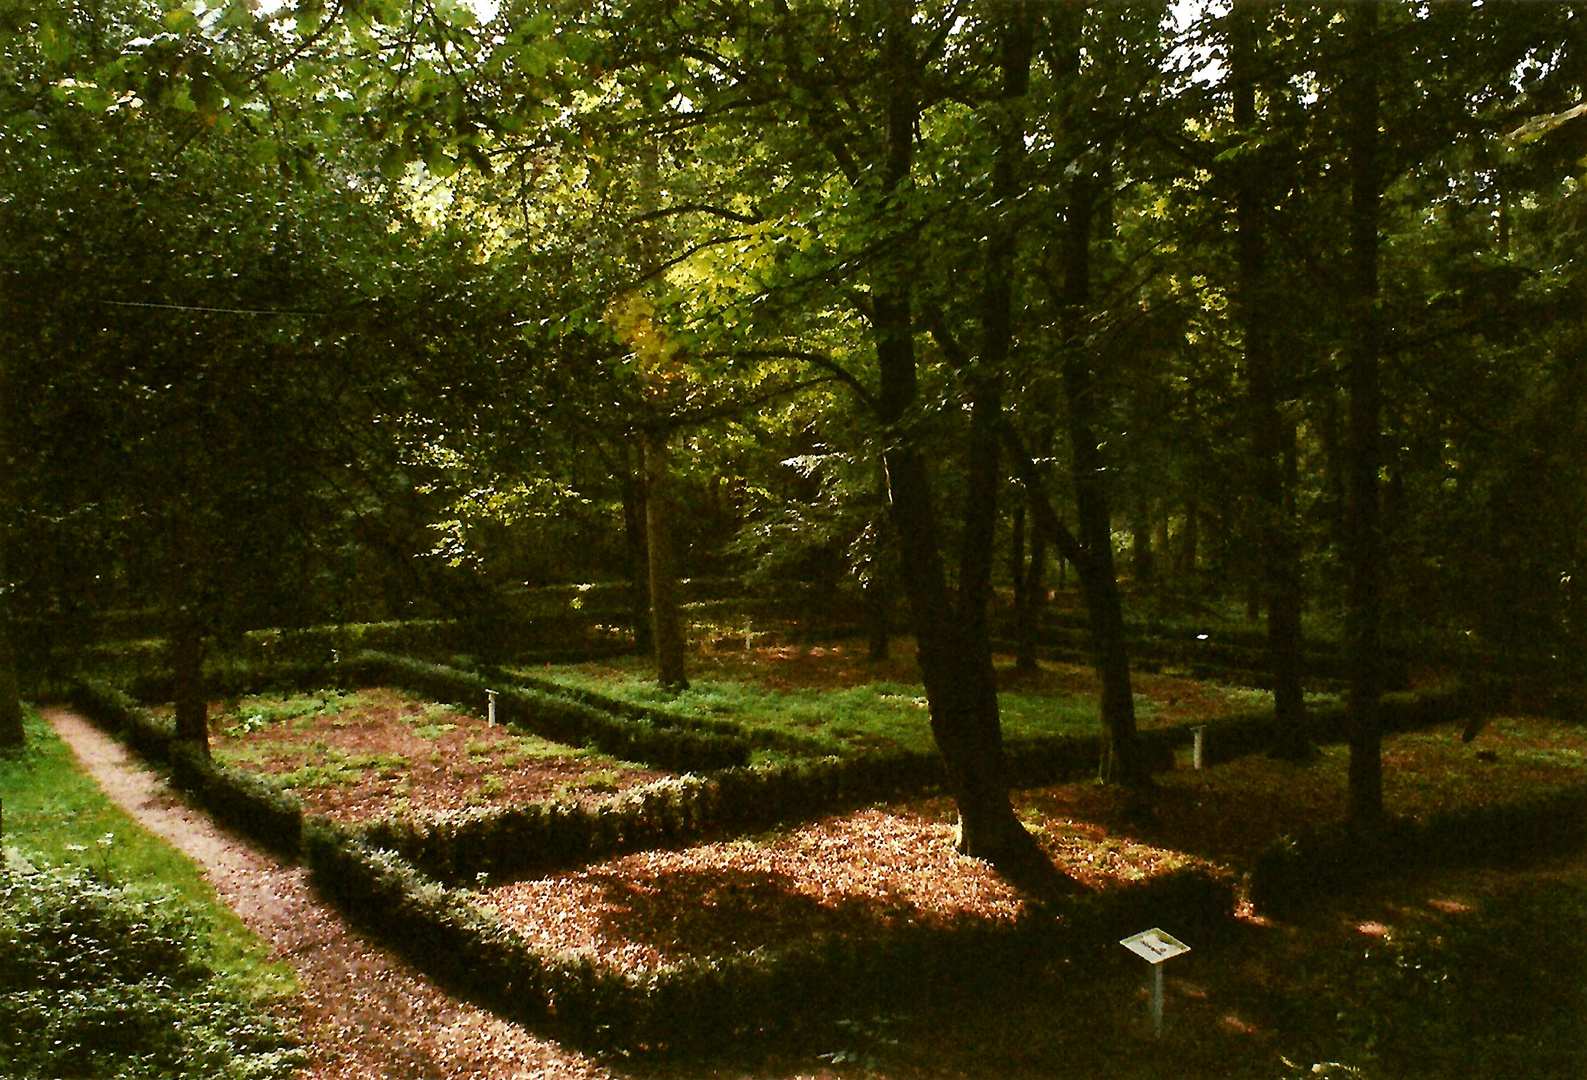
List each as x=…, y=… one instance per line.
x=1154, y=945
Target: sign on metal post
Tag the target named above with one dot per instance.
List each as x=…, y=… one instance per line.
x=1154, y=946
x=490, y=708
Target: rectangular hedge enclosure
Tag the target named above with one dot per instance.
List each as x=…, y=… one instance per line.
x=672, y=906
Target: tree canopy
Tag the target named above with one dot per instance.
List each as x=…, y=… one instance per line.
x=311, y=310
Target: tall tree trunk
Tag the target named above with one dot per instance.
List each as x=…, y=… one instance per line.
x=1016, y=558
x=11, y=728
x=1098, y=573
x=877, y=620
x=1189, y=546
x=634, y=535
x=666, y=623
x=190, y=696
x=1027, y=616
x=1363, y=544
x=1271, y=433
x=1141, y=566
x=952, y=641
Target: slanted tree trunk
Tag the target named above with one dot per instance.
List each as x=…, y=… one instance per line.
x=952, y=639
x=1363, y=617
x=1094, y=562
x=190, y=697
x=1272, y=435
x=666, y=622
x=634, y=511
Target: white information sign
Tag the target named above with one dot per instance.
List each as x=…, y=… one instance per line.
x=1154, y=945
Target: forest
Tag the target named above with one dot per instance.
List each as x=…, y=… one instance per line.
x=1026, y=389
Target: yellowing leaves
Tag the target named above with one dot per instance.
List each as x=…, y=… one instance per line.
x=660, y=357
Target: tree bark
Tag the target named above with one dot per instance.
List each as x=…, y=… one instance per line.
x=191, y=697
x=878, y=629
x=1363, y=543
x=12, y=732
x=666, y=623
x=1141, y=565
x=952, y=640
x=1027, y=613
x=1095, y=564
x=11, y=727
x=1271, y=434
x=634, y=535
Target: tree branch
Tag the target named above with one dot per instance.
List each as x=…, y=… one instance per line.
x=1047, y=519
x=820, y=360
x=697, y=208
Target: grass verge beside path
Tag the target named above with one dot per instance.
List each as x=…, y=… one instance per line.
x=55, y=816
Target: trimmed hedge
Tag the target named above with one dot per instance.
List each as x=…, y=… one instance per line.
x=225, y=678
x=240, y=798
x=534, y=838
x=706, y=1001
x=1295, y=870
x=236, y=797
x=1246, y=733
x=755, y=735
x=679, y=746
x=108, y=707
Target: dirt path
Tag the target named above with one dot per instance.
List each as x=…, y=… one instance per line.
x=365, y=1013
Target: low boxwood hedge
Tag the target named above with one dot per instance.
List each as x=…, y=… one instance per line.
x=106, y=705
x=534, y=838
x=237, y=797
x=1295, y=870
x=710, y=999
x=673, y=746
x=230, y=678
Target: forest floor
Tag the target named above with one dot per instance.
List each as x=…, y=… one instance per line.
x=1431, y=974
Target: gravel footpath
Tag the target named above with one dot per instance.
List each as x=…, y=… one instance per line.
x=365, y=1014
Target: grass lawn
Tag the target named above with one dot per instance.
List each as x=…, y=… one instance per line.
x=832, y=696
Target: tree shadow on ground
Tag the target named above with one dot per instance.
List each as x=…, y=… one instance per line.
x=725, y=911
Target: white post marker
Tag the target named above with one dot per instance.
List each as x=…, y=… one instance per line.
x=490, y=708
x=1154, y=946
x=1195, y=750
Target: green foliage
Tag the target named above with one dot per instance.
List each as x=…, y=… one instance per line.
x=150, y=979
x=259, y=713
x=96, y=982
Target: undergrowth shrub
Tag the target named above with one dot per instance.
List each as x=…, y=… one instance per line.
x=96, y=983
